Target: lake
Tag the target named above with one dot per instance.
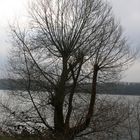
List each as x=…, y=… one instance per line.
x=132, y=122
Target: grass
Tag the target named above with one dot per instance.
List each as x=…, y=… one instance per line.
x=6, y=138
x=10, y=138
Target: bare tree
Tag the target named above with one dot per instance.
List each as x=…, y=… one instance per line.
x=68, y=44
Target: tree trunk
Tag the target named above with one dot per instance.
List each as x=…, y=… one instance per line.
x=59, y=100
x=77, y=129
x=58, y=118
x=93, y=94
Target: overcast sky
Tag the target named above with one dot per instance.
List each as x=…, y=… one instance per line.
x=126, y=11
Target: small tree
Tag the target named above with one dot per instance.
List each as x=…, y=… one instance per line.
x=67, y=45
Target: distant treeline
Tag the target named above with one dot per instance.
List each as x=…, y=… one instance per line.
x=121, y=88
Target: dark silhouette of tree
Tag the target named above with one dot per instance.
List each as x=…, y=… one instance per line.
x=67, y=44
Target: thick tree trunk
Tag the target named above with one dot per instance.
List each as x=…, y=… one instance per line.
x=58, y=110
x=59, y=100
x=58, y=118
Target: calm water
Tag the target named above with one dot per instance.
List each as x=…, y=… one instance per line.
x=15, y=103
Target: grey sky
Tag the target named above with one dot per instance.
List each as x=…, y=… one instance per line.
x=126, y=11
